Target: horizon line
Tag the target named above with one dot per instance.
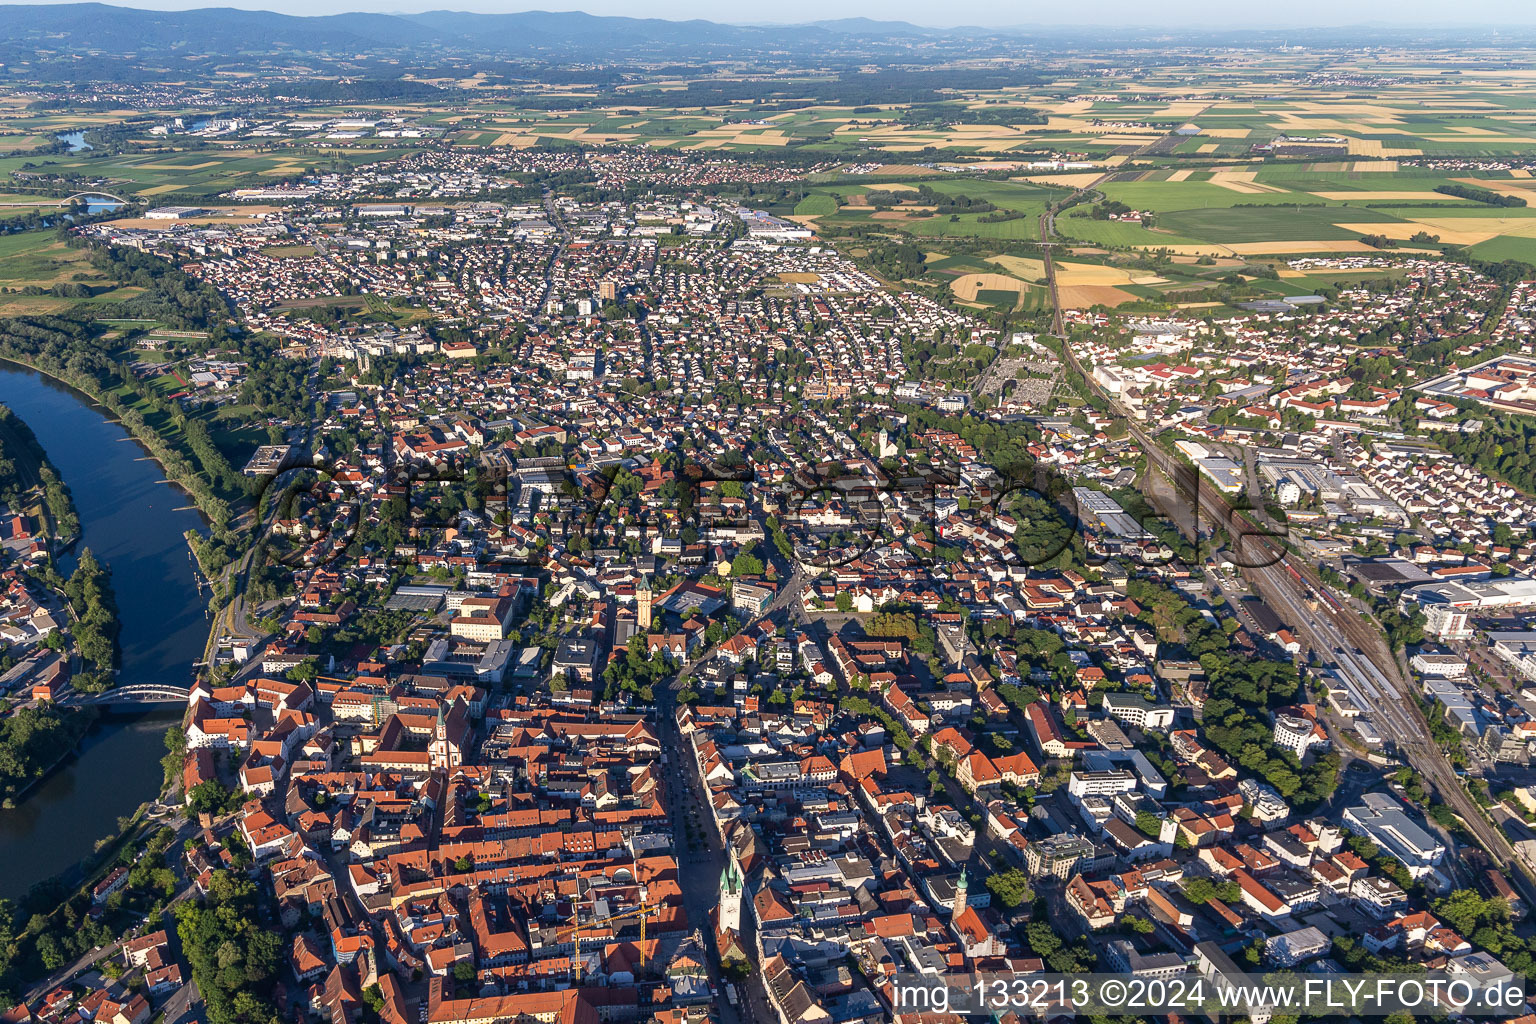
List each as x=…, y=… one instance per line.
x=152, y=6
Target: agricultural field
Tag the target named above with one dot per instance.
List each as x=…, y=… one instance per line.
x=1017, y=207
x=1317, y=208
x=35, y=263
x=1238, y=156
x=158, y=178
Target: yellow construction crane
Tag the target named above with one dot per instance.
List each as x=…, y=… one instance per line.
x=576, y=930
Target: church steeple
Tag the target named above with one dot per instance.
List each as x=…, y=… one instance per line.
x=732, y=888
x=962, y=896
x=643, y=605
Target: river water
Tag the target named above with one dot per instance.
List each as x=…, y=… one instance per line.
x=129, y=519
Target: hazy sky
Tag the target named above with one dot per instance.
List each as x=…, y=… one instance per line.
x=1171, y=13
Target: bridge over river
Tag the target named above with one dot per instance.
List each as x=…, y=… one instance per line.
x=141, y=694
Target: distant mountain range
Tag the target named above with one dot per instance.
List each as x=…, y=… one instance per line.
x=118, y=30
x=115, y=31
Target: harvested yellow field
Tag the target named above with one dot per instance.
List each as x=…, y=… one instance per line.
x=159, y=189
x=1181, y=175
x=1333, y=126
x=1227, y=133
x=1209, y=147
x=1242, y=183
x=1180, y=109
x=1073, y=180
x=1373, y=112
x=1455, y=230
x=1518, y=191
x=798, y=278
x=1287, y=248
x=1269, y=248
x=1083, y=296
x=1336, y=271
x=1519, y=172
x=1071, y=106
x=966, y=286
x=891, y=186
x=909, y=170
x=1375, y=166
x=1022, y=267
x=1373, y=147
x=1095, y=274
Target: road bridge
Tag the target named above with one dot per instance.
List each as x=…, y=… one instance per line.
x=141, y=693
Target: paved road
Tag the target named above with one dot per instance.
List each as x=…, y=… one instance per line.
x=185, y=1006
x=565, y=236
x=700, y=865
x=90, y=960
x=63, y=974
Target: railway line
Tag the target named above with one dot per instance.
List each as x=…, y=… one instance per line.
x=1284, y=580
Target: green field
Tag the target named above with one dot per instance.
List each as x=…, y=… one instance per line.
x=1271, y=224
x=1029, y=201
x=817, y=204
x=40, y=260
x=1112, y=232
x=1507, y=247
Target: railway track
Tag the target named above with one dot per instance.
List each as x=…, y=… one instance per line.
x=1283, y=579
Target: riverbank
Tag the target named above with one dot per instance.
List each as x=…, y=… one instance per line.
x=29, y=736
x=26, y=467
x=176, y=466
x=135, y=522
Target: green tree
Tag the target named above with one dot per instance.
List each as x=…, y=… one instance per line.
x=1010, y=888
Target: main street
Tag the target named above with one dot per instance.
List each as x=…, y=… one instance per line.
x=701, y=863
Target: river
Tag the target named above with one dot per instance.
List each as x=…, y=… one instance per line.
x=129, y=518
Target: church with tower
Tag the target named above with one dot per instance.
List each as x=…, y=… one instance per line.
x=727, y=912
